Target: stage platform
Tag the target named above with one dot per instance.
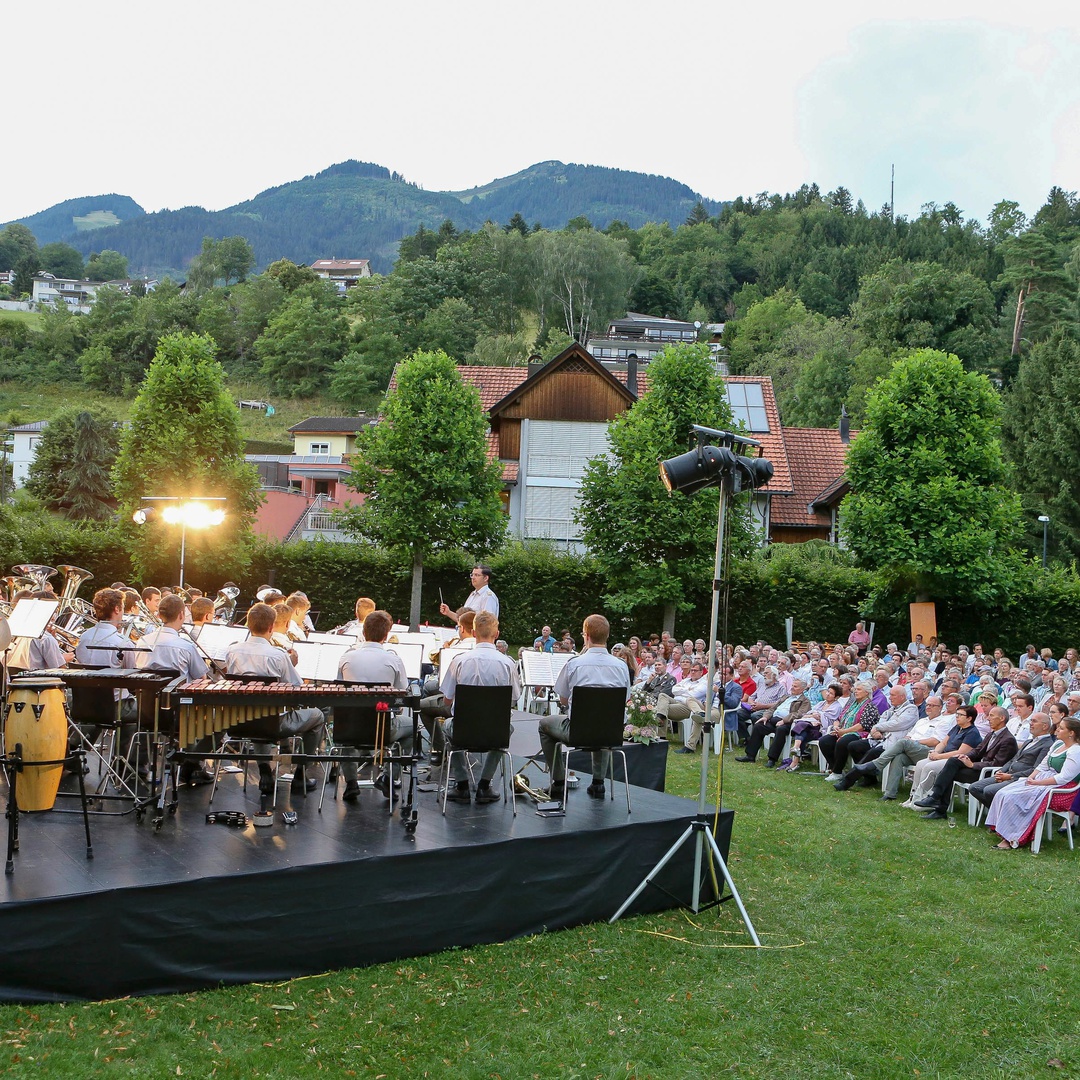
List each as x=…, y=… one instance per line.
x=197, y=905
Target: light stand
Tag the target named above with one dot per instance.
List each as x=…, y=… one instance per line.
x=707, y=466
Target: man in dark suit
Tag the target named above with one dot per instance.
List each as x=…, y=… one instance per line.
x=996, y=749
x=1024, y=762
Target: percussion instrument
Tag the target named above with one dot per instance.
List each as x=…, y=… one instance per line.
x=36, y=721
x=207, y=706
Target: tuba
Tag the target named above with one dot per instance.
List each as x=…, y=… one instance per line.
x=74, y=614
x=34, y=575
x=225, y=603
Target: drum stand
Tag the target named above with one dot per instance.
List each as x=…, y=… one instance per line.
x=13, y=765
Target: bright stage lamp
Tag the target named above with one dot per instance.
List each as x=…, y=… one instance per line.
x=142, y=515
x=708, y=465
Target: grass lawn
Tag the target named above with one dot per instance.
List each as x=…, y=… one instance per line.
x=896, y=947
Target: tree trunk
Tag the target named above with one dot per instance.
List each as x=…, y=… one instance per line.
x=417, y=581
x=1018, y=321
x=669, y=617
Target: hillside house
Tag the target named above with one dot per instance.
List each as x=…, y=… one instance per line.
x=344, y=273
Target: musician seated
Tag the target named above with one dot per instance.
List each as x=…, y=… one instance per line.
x=355, y=628
x=42, y=653
x=174, y=651
x=484, y=666
x=102, y=645
x=370, y=663
x=281, y=636
x=202, y=613
x=260, y=656
x=300, y=605
x=433, y=706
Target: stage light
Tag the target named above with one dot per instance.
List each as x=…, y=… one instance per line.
x=716, y=459
x=142, y=515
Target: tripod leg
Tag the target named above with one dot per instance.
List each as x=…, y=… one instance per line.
x=80, y=756
x=654, y=871
x=731, y=885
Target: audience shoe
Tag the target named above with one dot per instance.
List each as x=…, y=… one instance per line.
x=935, y=815
x=382, y=783
x=792, y=766
x=834, y=776
x=351, y=792
x=888, y=798
x=485, y=794
x=907, y=804
x=847, y=781
x=596, y=789
x=459, y=793
x=926, y=804
x=743, y=757
x=770, y=764
x=684, y=750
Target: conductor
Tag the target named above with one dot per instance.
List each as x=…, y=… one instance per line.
x=480, y=599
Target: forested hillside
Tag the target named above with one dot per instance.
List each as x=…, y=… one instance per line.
x=88, y=214
x=360, y=210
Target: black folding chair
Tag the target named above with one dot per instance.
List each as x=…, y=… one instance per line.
x=481, y=725
x=364, y=729
x=597, y=719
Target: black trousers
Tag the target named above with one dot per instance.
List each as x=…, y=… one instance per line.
x=837, y=748
x=756, y=736
x=953, y=771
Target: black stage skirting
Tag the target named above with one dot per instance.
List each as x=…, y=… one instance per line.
x=198, y=905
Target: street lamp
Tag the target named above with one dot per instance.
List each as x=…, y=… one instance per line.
x=193, y=513
x=1046, y=525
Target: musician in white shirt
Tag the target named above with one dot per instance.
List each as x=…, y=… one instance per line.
x=259, y=656
x=369, y=662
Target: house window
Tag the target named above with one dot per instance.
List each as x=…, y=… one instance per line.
x=747, y=403
x=321, y=487
x=319, y=448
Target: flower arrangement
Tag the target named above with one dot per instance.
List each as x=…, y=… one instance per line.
x=641, y=723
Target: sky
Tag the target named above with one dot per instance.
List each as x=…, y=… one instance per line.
x=210, y=103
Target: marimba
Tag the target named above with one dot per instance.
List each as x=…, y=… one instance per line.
x=207, y=706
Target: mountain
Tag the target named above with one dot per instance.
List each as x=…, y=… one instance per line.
x=360, y=210
x=85, y=215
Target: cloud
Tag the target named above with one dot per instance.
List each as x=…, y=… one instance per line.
x=968, y=112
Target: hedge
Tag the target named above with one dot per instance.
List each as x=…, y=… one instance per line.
x=811, y=583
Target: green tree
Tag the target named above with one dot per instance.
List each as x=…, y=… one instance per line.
x=425, y=470
x=760, y=330
x=925, y=305
x=61, y=260
x=17, y=242
x=929, y=508
x=360, y=378
x=107, y=265
x=88, y=492
x=1041, y=430
x=184, y=439
x=303, y=341
x=70, y=470
x=653, y=547
x=582, y=278
x=290, y=275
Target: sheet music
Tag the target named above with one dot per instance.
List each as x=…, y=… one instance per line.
x=30, y=617
x=333, y=639
x=542, y=669
x=216, y=639
x=448, y=654
x=318, y=661
x=412, y=653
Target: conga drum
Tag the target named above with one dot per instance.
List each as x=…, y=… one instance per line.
x=37, y=721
